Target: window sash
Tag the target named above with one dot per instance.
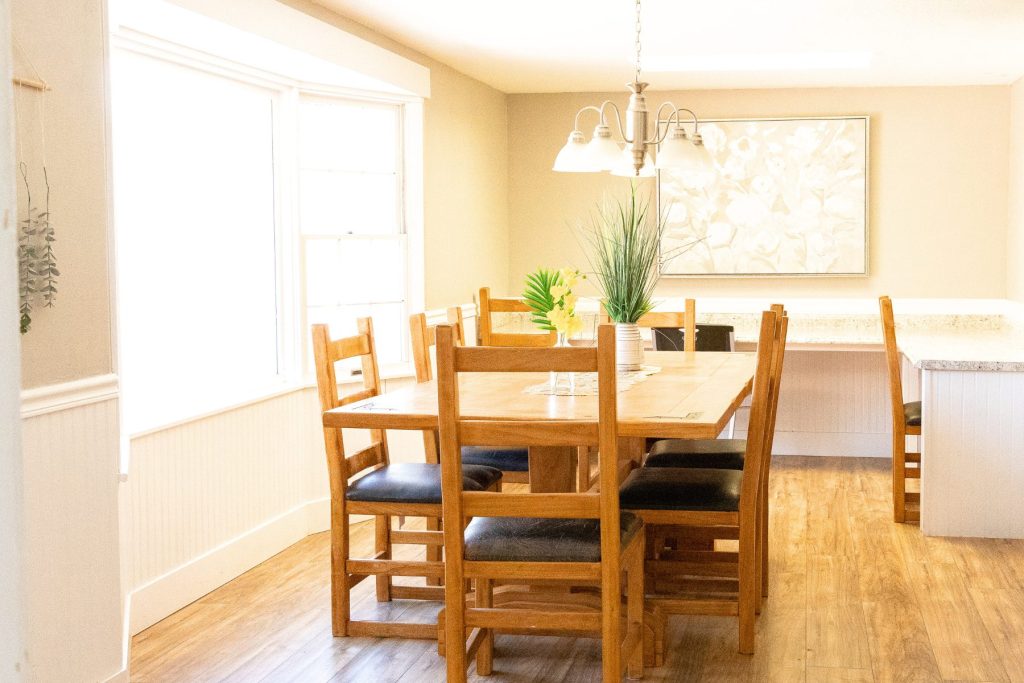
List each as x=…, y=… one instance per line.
x=294, y=362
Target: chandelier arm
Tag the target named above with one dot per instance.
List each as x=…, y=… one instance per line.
x=696, y=121
x=618, y=119
x=589, y=107
x=675, y=115
x=659, y=137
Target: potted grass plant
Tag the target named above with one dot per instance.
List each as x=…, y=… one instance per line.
x=624, y=241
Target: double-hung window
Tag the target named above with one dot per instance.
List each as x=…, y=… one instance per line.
x=249, y=206
x=352, y=218
x=195, y=195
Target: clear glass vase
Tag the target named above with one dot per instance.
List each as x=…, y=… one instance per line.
x=562, y=383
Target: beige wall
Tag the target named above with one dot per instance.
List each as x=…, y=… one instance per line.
x=465, y=174
x=1015, y=232
x=65, y=42
x=938, y=187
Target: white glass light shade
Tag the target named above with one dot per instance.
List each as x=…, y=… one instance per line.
x=603, y=152
x=573, y=158
x=680, y=153
x=624, y=166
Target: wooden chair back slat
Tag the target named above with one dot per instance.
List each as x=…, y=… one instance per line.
x=356, y=396
x=483, y=358
x=349, y=347
x=486, y=336
x=505, y=433
x=685, y=319
x=367, y=457
x=555, y=505
x=508, y=306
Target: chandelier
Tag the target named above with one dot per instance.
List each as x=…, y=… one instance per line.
x=676, y=149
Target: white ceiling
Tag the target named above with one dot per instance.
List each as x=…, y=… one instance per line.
x=586, y=45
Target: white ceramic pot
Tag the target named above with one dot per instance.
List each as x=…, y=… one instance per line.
x=629, y=346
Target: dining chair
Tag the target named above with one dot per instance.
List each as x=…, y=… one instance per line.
x=673, y=336
x=906, y=421
x=729, y=453
x=486, y=336
x=662, y=322
x=575, y=537
x=514, y=462
x=384, y=490
x=700, y=501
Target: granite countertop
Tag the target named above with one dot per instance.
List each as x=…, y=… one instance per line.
x=982, y=335
x=999, y=350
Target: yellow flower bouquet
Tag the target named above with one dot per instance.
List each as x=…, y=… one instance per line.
x=551, y=300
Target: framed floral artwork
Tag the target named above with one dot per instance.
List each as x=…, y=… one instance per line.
x=783, y=196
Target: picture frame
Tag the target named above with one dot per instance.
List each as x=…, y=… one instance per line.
x=784, y=196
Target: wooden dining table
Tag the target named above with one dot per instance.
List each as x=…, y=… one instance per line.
x=692, y=396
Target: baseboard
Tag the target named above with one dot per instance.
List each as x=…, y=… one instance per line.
x=849, y=444
x=120, y=677
x=177, y=588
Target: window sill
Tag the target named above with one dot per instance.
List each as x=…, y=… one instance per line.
x=398, y=371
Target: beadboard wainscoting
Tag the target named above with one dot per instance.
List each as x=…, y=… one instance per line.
x=972, y=427
x=73, y=575
x=208, y=499
x=835, y=403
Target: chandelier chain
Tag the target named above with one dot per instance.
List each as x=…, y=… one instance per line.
x=637, y=75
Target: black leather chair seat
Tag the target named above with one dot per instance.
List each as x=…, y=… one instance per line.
x=726, y=454
x=663, y=488
x=529, y=539
x=415, y=483
x=505, y=459
x=912, y=413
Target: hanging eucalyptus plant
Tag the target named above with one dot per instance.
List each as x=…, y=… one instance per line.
x=37, y=264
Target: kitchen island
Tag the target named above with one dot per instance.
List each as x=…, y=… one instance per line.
x=972, y=430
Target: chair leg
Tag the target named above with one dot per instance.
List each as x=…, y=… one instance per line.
x=758, y=560
x=434, y=553
x=899, y=479
x=485, y=653
x=382, y=543
x=764, y=545
x=582, y=468
x=340, y=598
x=455, y=631
x=611, y=626
x=635, y=611
x=749, y=590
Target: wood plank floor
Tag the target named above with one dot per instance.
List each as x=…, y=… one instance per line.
x=854, y=597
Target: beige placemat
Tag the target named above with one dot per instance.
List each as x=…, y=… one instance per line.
x=585, y=383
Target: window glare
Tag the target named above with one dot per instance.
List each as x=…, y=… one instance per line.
x=194, y=201
x=350, y=209
x=211, y=204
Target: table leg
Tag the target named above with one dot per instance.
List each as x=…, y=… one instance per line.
x=552, y=469
x=631, y=454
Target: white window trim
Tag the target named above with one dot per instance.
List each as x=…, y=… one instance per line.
x=293, y=329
